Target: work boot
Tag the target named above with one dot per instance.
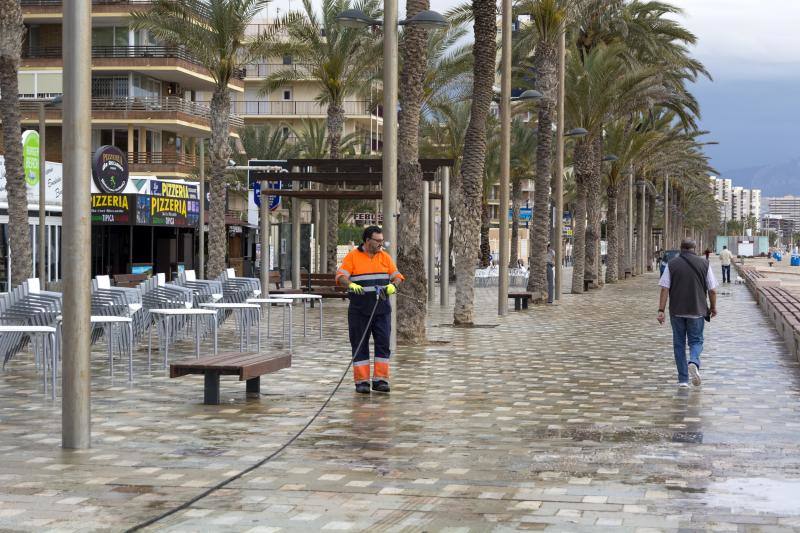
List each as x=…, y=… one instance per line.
x=380, y=386
x=362, y=387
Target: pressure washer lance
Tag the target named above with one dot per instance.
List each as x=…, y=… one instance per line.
x=380, y=294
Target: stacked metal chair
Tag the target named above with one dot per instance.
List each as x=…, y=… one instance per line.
x=238, y=290
x=157, y=294
x=205, y=290
x=27, y=305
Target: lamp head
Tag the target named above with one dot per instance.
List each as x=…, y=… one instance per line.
x=611, y=158
x=577, y=132
x=426, y=20
x=355, y=18
x=530, y=94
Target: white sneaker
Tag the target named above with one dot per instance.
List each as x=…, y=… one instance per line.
x=683, y=385
x=694, y=373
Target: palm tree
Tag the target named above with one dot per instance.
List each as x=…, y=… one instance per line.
x=341, y=62
x=523, y=149
x=313, y=142
x=219, y=42
x=548, y=18
x=266, y=142
x=449, y=71
x=12, y=30
x=466, y=189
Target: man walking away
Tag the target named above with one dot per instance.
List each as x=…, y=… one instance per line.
x=551, y=263
x=725, y=258
x=686, y=280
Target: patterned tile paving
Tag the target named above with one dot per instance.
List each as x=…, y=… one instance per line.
x=564, y=418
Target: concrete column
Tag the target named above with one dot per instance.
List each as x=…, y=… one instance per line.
x=444, y=270
x=558, y=192
x=76, y=242
x=424, y=222
x=143, y=141
x=263, y=239
x=431, y=252
x=323, y=236
x=295, y=215
x=131, y=148
x=42, y=240
x=315, y=209
x=505, y=155
x=201, y=231
x=643, y=230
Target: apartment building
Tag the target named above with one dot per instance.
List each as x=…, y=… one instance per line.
x=788, y=207
x=722, y=189
x=288, y=106
x=144, y=102
x=735, y=203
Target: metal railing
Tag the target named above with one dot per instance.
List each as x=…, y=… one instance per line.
x=122, y=3
x=294, y=107
x=262, y=70
x=162, y=158
x=123, y=52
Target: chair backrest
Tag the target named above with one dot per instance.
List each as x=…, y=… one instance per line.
x=33, y=286
x=231, y=273
x=103, y=282
x=161, y=279
x=190, y=275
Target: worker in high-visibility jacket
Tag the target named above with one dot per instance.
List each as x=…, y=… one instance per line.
x=364, y=271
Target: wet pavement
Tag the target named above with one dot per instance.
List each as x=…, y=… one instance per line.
x=559, y=418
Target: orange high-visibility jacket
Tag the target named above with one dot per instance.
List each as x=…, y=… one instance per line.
x=371, y=273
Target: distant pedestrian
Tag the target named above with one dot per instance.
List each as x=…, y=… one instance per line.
x=707, y=253
x=686, y=280
x=551, y=263
x=725, y=257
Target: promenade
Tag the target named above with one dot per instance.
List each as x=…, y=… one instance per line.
x=560, y=418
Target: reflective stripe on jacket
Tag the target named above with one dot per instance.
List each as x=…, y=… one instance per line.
x=371, y=273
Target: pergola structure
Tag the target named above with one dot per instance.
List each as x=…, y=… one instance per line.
x=337, y=179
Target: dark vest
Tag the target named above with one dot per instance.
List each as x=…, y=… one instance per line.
x=686, y=294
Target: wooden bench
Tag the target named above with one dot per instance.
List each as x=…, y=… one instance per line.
x=249, y=366
x=521, y=299
x=129, y=280
x=275, y=277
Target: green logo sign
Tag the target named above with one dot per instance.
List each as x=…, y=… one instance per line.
x=30, y=156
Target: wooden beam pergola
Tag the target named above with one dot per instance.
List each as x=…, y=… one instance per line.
x=309, y=194
x=337, y=171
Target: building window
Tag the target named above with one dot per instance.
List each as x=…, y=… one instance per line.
x=287, y=60
x=287, y=94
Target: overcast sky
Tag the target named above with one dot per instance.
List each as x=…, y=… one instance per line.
x=752, y=48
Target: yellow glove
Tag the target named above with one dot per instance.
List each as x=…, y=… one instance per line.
x=391, y=289
x=356, y=288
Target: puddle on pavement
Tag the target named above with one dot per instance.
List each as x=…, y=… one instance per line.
x=755, y=494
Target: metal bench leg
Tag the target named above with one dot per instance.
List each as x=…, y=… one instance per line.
x=253, y=387
x=517, y=304
x=211, y=389
x=524, y=303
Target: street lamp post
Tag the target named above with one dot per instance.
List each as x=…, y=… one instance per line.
x=558, y=241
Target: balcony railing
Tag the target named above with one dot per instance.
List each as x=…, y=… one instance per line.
x=123, y=52
x=262, y=70
x=167, y=104
x=294, y=107
x=203, y=12
x=187, y=161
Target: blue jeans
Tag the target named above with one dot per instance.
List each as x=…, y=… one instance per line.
x=684, y=329
x=726, y=273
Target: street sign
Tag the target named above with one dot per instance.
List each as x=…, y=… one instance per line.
x=525, y=214
x=254, y=178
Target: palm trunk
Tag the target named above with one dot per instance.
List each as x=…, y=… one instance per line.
x=335, y=125
x=622, y=228
x=639, y=215
x=651, y=209
x=593, y=207
x=612, y=266
x=486, y=248
x=516, y=203
x=545, y=62
x=12, y=30
x=411, y=309
x=582, y=165
x=220, y=152
x=467, y=193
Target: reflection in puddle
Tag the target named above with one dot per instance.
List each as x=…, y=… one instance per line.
x=756, y=494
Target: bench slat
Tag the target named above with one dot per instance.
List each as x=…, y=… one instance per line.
x=245, y=365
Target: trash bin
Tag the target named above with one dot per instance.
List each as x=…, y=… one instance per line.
x=777, y=256
x=795, y=261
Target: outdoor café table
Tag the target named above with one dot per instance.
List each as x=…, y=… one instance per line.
x=303, y=297
x=48, y=336
x=242, y=310
x=108, y=323
x=197, y=314
x=287, y=304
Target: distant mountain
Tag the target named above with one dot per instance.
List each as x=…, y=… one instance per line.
x=779, y=179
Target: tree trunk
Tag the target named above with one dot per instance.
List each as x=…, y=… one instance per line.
x=411, y=308
x=219, y=152
x=19, y=235
x=593, y=208
x=651, y=209
x=545, y=62
x=516, y=203
x=335, y=125
x=582, y=165
x=486, y=248
x=612, y=236
x=622, y=228
x=467, y=193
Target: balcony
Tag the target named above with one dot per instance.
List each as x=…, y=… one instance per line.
x=162, y=163
x=53, y=8
x=263, y=70
x=169, y=111
x=168, y=63
x=294, y=108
